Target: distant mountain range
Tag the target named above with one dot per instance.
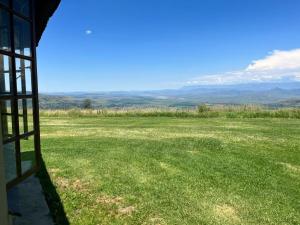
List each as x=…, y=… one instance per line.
x=284, y=94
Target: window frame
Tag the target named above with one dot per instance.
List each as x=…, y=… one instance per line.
x=15, y=96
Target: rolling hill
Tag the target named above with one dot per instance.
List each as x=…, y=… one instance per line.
x=269, y=94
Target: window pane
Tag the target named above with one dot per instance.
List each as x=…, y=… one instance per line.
x=10, y=161
x=27, y=154
x=4, y=2
x=22, y=6
x=6, y=119
x=22, y=37
x=25, y=115
x=23, y=69
x=4, y=31
x=5, y=75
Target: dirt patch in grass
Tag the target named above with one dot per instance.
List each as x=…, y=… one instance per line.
x=65, y=183
x=226, y=212
x=126, y=210
x=109, y=200
x=290, y=167
x=155, y=221
x=116, y=205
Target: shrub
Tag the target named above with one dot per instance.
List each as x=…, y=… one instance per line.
x=203, y=108
x=87, y=104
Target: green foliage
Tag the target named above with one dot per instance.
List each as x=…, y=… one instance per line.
x=203, y=108
x=87, y=104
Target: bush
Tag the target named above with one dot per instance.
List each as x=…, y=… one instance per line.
x=87, y=104
x=203, y=108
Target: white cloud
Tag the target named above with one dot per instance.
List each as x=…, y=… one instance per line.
x=88, y=32
x=277, y=60
x=278, y=65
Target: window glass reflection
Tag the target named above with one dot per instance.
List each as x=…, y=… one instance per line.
x=22, y=7
x=23, y=69
x=4, y=30
x=25, y=115
x=27, y=154
x=22, y=36
x=10, y=161
x=4, y=2
x=6, y=119
x=5, y=75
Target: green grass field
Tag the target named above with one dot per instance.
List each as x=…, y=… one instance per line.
x=166, y=170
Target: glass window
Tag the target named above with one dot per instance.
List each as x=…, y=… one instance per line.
x=10, y=161
x=4, y=30
x=5, y=75
x=25, y=115
x=27, y=154
x=23, y=69
x=16, y=111
x=4, y=2
x=22, y=7
x=22, y=36
x=6, y=119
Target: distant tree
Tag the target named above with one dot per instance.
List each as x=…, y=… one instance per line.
x=87, y=104
x=203, y=108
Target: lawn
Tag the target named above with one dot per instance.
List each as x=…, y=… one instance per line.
x=164, y=170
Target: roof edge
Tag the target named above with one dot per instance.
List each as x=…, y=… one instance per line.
x=44, y=9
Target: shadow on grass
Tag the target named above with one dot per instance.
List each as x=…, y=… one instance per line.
x=52, y=197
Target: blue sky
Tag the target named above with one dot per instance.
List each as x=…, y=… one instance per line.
x=105, y=45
